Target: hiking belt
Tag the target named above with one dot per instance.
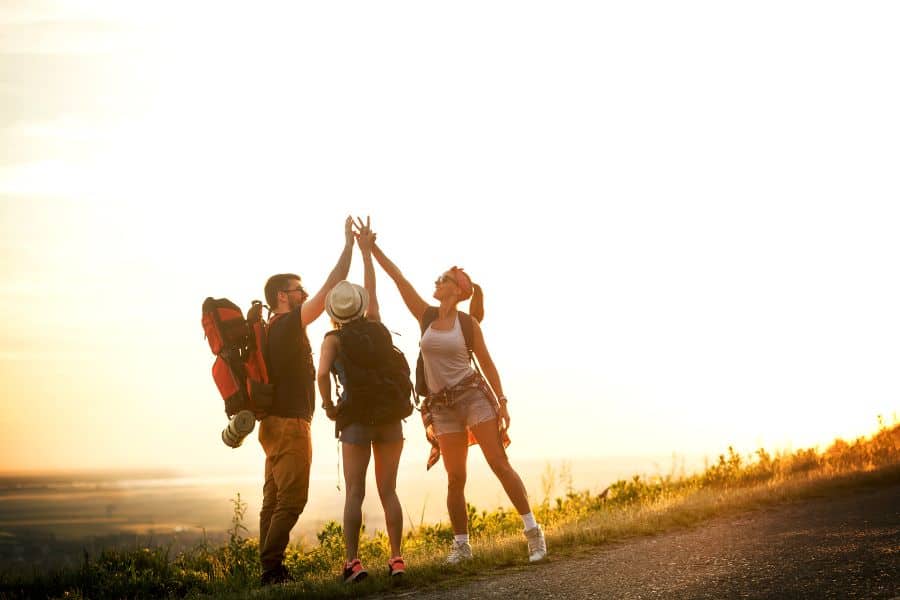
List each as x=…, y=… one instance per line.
x=449, y=395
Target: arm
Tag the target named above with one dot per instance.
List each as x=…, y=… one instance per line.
x=413, y=300
x=365, y=240
x=326, y=360
x=315, y=305
x=490, y=371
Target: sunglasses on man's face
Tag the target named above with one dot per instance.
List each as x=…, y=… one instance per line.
x=296, y=289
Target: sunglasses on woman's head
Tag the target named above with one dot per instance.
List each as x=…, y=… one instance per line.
x=444, y=279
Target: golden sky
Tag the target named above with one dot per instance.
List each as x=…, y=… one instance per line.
x=684, y=217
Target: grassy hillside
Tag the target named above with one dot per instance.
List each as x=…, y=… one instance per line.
x=631, y=507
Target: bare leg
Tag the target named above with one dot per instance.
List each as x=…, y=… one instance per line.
x=454, y=451
x=488, y=436
x=387, y=459
x=356, y=462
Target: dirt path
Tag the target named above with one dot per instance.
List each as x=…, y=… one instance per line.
x=846, y=546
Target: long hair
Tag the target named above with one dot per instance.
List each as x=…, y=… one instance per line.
x=463, y=281
x=476, y=305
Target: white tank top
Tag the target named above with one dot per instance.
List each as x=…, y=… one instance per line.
x=445, y=356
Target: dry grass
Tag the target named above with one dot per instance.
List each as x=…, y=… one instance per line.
x=573, y=523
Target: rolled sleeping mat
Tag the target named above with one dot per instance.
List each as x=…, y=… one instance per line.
x=238, y=428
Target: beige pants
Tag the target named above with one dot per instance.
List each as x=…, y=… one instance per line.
x=288, y=449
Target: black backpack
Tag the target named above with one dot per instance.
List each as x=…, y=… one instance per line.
x=378, y=388
x=465, y=323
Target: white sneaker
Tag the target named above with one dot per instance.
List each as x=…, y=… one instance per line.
x=537, y=545
x=459, y=552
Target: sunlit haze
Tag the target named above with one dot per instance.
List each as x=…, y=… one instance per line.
x=684, y=215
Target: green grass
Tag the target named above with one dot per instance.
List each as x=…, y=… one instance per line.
x=573, y=522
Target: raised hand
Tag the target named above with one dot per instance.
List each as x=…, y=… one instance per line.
x=348, y=230
x=365, y=237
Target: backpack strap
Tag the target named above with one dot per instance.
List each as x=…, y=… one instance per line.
x=465, y=323
x=431, y=313
x=334, y=375
x=421, y=389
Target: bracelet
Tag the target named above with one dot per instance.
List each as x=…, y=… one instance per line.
x=502, y=399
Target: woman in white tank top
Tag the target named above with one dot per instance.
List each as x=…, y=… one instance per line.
x=445, y=356
x=462, y=406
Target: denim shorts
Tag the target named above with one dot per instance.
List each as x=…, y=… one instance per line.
x=358, y=433
x=469, y=408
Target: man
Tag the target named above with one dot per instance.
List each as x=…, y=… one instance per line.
x=284, y=433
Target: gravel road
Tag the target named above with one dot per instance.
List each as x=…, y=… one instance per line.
x=844, y=546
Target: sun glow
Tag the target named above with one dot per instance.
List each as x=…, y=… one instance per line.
x=684, y=235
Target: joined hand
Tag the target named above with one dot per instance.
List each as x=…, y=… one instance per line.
x=365, y=237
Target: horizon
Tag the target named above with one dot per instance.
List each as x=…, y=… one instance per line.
x=151, y=472
x=410, y=460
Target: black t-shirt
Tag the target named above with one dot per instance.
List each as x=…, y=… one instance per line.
x=291, y=367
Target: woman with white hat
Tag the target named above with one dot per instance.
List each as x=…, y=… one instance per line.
x=347, y=304
x=460, y=408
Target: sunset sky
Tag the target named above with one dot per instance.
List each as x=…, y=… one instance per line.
x=684, y=216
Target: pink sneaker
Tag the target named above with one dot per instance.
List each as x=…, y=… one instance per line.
x=354, y=572
x=396, y=566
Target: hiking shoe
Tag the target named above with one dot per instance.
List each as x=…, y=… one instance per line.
x=354, y=572
x=459, y=552
x=537, y=545
x=396, y=566
x=275, y=576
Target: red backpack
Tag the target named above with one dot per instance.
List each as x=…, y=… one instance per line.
x=240, y=347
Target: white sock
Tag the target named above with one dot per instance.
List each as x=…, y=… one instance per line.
x=528, y=520
x=461, y=538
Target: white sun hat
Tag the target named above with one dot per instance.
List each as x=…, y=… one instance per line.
x=346, y=301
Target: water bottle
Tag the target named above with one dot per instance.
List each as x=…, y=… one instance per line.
x=238, y=428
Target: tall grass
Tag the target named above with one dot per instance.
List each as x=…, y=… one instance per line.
x=629, y=507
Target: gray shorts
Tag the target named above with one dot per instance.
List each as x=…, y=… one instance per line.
x=469, y=408
x=357, y=433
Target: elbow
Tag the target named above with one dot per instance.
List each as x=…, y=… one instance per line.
x=488, y=367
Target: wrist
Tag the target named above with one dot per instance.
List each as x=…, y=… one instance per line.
x=502, y=399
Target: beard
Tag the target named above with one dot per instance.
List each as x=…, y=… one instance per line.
x=295, y=303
